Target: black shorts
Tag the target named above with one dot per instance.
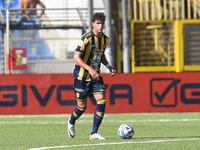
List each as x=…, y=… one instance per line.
x=82, y=89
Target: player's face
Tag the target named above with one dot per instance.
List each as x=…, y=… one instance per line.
x=98, y=26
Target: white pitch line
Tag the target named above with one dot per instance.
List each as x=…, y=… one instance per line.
x=117, y=143
x=42, y=116
x=106, y=121
x=156, y=120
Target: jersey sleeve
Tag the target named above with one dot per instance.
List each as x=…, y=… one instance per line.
x=81, y=44
x=107, y=41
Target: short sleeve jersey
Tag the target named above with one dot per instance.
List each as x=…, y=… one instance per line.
x=92, y=49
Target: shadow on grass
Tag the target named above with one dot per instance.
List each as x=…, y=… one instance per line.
x=157, y=138
x=180, y=137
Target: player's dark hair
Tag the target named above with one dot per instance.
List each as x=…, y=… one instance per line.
x=99, y=16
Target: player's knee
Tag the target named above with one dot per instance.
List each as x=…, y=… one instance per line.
x=101, y=101
x=82, y=104
x=82, y=109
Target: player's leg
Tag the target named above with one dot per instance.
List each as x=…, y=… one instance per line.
x=80, y=90
x=35, y=20
x=98, y=116
x=19, y=19
x=99, y=95
x=78, y=111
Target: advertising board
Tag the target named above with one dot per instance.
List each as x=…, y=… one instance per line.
x=125, y=93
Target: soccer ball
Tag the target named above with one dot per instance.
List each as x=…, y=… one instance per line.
x=125, y=131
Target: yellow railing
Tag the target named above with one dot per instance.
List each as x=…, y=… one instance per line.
x=157, y=36
x=172, y=55
x=165, y=9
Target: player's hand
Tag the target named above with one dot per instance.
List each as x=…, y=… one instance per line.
x=112, y=70
x=29, y=19
x=37, y=16
x=94, y=74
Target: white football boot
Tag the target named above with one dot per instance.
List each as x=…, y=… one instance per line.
x=96, y=136
x=71, y=130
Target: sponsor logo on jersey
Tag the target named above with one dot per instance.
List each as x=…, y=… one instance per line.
x=79, y=90
x=94, y=45
x=80, y=43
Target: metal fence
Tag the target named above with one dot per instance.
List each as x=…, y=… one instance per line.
x=165, y=9
x=49, y=46
x=154, y=43
x=165, y=35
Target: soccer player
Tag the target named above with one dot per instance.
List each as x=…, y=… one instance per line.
x=88, y=56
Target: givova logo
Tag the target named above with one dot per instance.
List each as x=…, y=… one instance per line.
x=190, y=93
x=163, y=92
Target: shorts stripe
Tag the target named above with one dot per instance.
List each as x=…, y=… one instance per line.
x=81, y=100
x=99, y=93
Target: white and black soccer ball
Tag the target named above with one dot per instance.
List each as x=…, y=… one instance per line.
x=125, y=131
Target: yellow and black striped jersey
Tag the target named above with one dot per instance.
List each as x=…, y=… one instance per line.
x=92, y=49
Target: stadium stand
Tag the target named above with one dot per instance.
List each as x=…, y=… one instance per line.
x=29, y=53
x=0, y=50
x=1, y=5
x=13, y=5
x=49, y=47
x=2, y=14
x=42, y=51
x=24, y=23
x=1, y=44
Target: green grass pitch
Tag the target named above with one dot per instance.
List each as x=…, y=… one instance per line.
x=153, y=131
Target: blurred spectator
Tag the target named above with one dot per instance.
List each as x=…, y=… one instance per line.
x=29, y=15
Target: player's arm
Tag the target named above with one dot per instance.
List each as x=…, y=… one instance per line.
x=20, y=7
x=107, y=64
x=78, y=60
x=42, y=12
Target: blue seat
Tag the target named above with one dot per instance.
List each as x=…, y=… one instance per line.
x=29, y=53
x=36, y=42
x=1, y=5
x=27, y=24
x=16, y=44
x=4, y=12
x=42, y=51
x=14, y=5
x=34, y=35
x=38, y=39
x=29, y=33
x=25, y=34
x=16, y=34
